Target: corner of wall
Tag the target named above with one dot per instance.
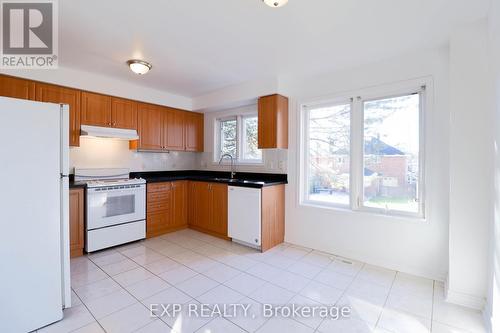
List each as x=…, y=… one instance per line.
x=463, y=299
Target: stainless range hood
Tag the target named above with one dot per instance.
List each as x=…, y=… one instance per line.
x=108, y=132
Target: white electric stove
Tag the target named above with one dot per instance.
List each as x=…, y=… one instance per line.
x=115, y=207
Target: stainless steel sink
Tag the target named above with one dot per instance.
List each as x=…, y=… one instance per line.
x=229, y=180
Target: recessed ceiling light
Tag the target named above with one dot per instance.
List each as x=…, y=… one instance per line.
x=139, y=66
x=275, y=3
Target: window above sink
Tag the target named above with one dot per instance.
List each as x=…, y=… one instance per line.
x=236, y=135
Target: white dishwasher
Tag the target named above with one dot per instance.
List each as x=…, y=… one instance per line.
x=244, y=215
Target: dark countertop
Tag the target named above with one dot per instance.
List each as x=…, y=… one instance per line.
x=73, y=184
x=243, y=179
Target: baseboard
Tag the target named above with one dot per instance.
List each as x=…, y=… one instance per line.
x=488, y=318
x=459, y=298
x=372, y=260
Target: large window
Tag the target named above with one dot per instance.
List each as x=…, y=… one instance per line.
x=237, y=136
x=365, y=153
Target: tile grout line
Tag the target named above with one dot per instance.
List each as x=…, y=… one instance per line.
x=85, y=305
x=387, y=298
x=240, y=270
x=202, y=273
x=154, y=274
x=111, y=277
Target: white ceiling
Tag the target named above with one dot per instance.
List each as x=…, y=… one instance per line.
x=197, y=46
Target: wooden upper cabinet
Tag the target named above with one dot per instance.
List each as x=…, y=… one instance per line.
x=164, y=128
x=123, y=113
x=96, y=110
x=194, y=131
x=273, y=122
x=173, y=129
x=16, y=88
x=76, y=221
x=150, y=126
x=56, y=94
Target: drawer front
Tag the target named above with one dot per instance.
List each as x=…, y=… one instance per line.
x=159, y=187
x=158, y=201
x=111, y=236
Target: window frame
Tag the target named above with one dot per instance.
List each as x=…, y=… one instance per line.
x=421, y=86
x=238, y=160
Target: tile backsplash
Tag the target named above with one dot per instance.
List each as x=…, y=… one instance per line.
x=113, y=153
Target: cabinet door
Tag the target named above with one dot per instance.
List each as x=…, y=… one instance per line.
x=219, y=209
x=123, y=113
x=179, y=203
x=273, y=122
x=273, y=216
x=96, y=110
x=16, y=88
x=200, y=205
x=149, y=127
x=55, y=94
x=193, y=131
x=173, y=129
x=76, y=220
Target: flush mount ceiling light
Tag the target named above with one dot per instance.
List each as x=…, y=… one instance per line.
x=139, y=66
x=275, y=3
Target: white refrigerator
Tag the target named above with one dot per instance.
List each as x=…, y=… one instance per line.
x=34, y=216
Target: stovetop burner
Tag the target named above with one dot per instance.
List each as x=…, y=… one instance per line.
x=106, y=177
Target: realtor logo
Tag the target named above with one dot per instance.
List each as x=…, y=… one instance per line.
x=29, y=35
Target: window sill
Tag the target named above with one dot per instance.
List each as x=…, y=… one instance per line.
x=417, y=218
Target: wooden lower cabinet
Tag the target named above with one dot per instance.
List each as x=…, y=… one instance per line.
x=76, y=221
x=272, y=216
x=203, y=206
x=166, y=207
x=208, y=208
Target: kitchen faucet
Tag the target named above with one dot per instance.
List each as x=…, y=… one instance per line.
x=232, y=163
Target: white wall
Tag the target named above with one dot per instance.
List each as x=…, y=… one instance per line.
x=406, y=245
x=471, y=163
x=492, y=311
x=274, y=160
x=235, y=96
x=104, y=84
x=112, y=153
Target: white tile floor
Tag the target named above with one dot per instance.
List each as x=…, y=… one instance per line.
x=114, y=288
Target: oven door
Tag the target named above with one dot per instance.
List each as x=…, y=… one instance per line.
x=107, y=206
